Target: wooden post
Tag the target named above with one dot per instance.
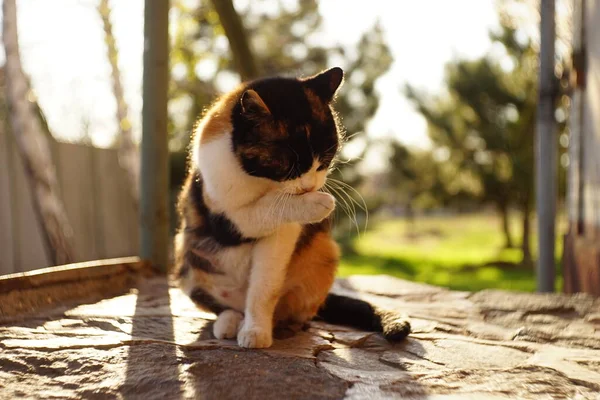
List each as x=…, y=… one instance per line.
x=154, y=202
x=546, y=151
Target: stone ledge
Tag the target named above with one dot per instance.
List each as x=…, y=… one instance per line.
x=38, y=290
x=153, y=343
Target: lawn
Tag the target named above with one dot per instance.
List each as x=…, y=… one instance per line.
x=459, y=252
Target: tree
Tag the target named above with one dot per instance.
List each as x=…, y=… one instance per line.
x=421, y=181
x=455, y=129
x=34, y=147
x=129, y=156
x=486, y=122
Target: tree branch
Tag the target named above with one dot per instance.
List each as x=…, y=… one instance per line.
x=238, y=39
x=129, y=156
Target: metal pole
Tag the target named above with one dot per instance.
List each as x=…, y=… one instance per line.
x=154, y=201
x=546, y=151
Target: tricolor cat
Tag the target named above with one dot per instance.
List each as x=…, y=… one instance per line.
x=255, y=245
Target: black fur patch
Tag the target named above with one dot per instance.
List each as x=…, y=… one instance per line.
x=394, y=327
x=183, y=271
x=206, y=300
x=284, y=144
x=216, y=226
x=360, y=314
x=308, y=233
x=198, y=262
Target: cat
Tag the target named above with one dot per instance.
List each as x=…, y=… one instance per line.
x=254, y=245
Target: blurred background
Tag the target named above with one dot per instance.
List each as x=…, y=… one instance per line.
x=439, y=104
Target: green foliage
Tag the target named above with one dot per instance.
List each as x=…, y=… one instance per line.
x=459, y=252
x=486, y=119
x=423, y=181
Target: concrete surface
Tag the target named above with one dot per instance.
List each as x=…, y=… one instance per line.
x=155, y=344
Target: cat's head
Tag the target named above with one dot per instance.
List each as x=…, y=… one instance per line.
x=284, y=129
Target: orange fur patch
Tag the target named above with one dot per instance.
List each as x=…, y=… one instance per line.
x=281, y=129
x=217, y=121
x=309, y=278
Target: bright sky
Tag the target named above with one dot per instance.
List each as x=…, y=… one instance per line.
x=63, y=50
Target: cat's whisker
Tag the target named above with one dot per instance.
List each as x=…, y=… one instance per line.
x=336, y=168
x=362, y=206
x=331, y=147
x=326, y=190
x=346, y=207
x=342, y=193
x=342, y=202
x=349, y=160
x=346, y=138
x=292, y=168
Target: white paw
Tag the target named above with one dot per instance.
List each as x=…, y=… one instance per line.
x=255, y=337
x=317, y=206
x=227, y=324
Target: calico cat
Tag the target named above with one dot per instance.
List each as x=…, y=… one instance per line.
x=254, y=245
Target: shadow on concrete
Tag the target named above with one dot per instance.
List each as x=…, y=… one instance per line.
x=152, y=367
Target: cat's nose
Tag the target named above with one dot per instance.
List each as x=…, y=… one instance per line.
x=307, y=188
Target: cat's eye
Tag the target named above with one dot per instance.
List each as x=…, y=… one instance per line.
x=302, y=131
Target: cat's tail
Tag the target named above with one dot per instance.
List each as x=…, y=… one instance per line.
x=343, y=310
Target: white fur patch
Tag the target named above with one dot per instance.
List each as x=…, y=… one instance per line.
x=227, y=324
x=230, y=286
x=225, y=181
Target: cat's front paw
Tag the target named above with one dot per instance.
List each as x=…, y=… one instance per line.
x=227, y=324
x=255, y=337
x=317, y=207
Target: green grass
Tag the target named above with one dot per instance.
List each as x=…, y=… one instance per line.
x=459, y=252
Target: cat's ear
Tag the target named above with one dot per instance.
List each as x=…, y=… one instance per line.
x=326, y=84
x=253, y=106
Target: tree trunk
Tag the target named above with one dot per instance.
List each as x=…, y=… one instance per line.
x=410, y=214
x=34, y=147
x=504, y=215
x=525, y=245
x=238, y=39
x=129, y=156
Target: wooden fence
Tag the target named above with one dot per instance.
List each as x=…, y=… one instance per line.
x=97, y=199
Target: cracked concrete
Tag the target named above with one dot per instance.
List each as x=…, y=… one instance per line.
x=153, y=343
